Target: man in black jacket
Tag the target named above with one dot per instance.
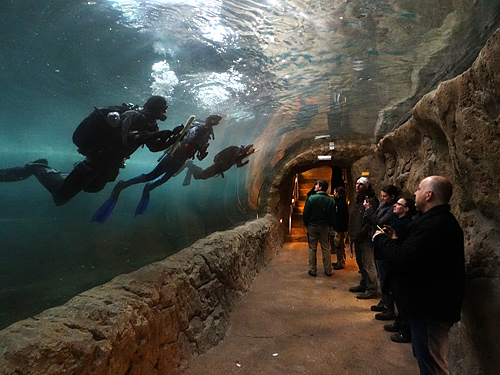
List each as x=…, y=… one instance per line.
x=360, y=232
x=430, y=258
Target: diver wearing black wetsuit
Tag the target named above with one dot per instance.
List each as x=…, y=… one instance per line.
x=225, y=159
x=194, y=143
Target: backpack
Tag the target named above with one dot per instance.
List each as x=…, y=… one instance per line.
x=96, y=131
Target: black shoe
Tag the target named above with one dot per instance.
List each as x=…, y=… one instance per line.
x=357, y=289
x=391, y=327
x=385, y=315
x=311, y=273
x=398, y=337
x=369, y=294
x=377, y=308
x=328, y=274
x=338, y=267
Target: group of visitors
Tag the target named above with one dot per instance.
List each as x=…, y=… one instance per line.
x=416, y=266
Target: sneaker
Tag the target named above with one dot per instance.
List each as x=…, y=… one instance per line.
x=378, y=308
x=398, y=337
x=369, y=294
x=391, y=327
x=385, y=315
x=357, y=289
x=311, y=273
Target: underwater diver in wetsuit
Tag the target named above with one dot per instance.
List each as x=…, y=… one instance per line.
x=124, y=134
x=232, y=155
x=194, y=143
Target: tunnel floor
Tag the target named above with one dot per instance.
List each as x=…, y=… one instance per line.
x=291, y=323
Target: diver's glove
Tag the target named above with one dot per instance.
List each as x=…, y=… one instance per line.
x=177, y=129
x=164, y=134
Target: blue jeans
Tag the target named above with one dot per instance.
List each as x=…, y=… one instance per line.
x=429, y=339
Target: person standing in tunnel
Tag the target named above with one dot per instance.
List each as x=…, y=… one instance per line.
x=383, y=215
x=430, y=259
x=340, y=227
x=106, y=139
x=404, y=209
x=359, y=232
x=318, y=217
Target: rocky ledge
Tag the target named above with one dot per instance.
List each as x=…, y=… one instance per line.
x=152, y=321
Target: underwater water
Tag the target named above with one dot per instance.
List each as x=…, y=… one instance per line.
x=278, y=72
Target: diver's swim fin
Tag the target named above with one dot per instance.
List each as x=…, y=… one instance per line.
x=104, y=212
x=144, y=202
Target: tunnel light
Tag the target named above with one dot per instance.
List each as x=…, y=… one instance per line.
x=324, y=157
x=321, y=136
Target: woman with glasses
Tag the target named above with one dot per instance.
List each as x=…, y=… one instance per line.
x=404, y=209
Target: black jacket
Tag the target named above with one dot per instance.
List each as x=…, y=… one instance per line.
x=431, y=265
x=341, y=221
x=359, y=229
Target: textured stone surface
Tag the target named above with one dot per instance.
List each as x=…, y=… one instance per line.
x=454, y=131
x=152, y=321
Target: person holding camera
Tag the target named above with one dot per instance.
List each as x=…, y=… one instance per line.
x=430, y=259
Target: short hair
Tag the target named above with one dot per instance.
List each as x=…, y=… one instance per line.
x=340, y=190
x=323, y=184
x=391, y=190
x=441, y=187
x=412, y=209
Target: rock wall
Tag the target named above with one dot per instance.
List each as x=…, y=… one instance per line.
x=152, y=321
x=454, y=132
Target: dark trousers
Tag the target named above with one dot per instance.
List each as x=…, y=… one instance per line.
x=430, y=344
x=366, y=262
x=383, y=268
x=64, y=187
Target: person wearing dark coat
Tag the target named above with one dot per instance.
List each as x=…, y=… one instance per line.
x=318, y=216
x=341, y=225
x=383, y=215
x=360, y=233
x=404, y=209
x=430, y=259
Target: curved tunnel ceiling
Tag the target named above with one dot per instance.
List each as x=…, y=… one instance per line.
x=347, y=68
